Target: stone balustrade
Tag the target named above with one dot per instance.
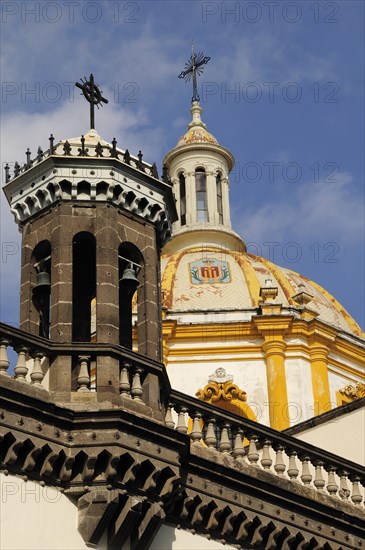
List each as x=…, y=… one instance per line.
x=262, y=447
x=217, y=431
x=30, y=359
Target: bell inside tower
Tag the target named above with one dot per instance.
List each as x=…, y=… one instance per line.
x=41, y=292
x=130, y=265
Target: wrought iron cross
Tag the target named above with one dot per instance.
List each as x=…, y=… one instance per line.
x=194, y=67
x=93, y=94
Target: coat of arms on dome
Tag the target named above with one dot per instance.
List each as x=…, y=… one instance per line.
x=209, y=271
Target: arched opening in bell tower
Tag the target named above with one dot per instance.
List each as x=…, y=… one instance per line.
x=182, y=199
x=83, y=284
x=130, y=265
x=201, y=195
x=41, y=291
x=218, y=182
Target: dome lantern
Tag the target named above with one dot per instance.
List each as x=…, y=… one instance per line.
x=199, y=170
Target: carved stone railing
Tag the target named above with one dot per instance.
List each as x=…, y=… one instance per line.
x=262, y=447
x=34, y=357
x=217, y=431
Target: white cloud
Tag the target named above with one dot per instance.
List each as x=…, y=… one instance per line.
x=333, y=211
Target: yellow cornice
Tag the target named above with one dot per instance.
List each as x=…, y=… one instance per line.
x=226, y=333
x=272, y=326
x=235, y=351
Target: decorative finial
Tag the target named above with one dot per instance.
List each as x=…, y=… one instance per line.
x=194, y=67
x=39, y=154
x=28, y=154
x=114, y=148
x=7, y=173
x=302, y=297
x=140, y=163
x=93, y=94
x=51, y=144
x=269, y=291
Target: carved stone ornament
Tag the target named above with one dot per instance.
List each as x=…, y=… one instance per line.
x=219, y=387
x=354, y=392
x=220, y=376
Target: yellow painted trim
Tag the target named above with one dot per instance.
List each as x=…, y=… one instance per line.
x=168, y=279
x=247, y=330
x=249, y=273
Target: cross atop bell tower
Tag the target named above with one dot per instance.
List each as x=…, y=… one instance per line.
x=93, y=94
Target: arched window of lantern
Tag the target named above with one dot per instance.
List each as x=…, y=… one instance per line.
x=41, y=291
x=83, y=285
x=201, y=195
x=130, y=273
x=218, y=181
x=182, y=198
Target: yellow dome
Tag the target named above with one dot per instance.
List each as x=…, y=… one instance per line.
x=225, y=281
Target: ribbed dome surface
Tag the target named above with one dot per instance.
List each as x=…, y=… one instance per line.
x=196, y=280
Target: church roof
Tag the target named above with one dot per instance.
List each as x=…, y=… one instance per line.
x=190, y=285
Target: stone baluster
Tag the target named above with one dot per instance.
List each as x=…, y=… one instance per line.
x=356, y=496
x=210, y=437
x=252, y=455
x=293, y=471
x=124, y=384
x=319, y=482
x=306, y=476
x=266, y=460
x=83, y=378
x=181, y=423
x=136, y=389
x=279, y=466
x=169, y=422
x=344, y=491
x=238, y=451
x=37, y=374
x=225, y=444
x=196, y=432
x=332, y=486
x=4, y=361
x=21, y=369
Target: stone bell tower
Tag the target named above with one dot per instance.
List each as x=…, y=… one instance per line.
x=93, y=219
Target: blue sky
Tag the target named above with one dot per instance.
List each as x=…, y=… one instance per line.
x=284, y=91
